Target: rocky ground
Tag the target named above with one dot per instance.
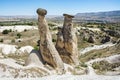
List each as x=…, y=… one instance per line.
x=70, y=77
x=95, y=46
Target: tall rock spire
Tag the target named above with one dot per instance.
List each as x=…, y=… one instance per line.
x=67, y=41
x=48, y=51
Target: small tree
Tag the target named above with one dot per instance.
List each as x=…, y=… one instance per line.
x=1, y=40
x=36, y=48
x=53, y=40
x=25, y=30
x=5, y=31
x=19, y=35
x=10, y=30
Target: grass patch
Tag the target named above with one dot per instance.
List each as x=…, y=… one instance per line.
x=99, y=54
x=83, y=65
x=18, y=57
x=105, y=66
x=88, y=56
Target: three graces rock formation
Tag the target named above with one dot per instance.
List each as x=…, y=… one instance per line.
x=65, y=50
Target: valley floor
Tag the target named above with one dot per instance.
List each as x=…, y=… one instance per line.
x=69, y=77
x=9, y=67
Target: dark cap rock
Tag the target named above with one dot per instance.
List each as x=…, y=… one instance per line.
x=41, y=11
x=71, y=16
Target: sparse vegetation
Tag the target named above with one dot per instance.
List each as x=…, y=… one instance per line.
x=31, y=22
x=105, y=66
x=17, y=57
x=36, y=47
x=51, y=24
x=29, y=37
x=5, y=31
x=83, y=65
x=19, y=35
x=53, y=40
x=1, y=40
x=88, y=56
x=98, y=54
x=25, y=30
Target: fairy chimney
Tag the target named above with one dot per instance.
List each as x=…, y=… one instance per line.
x=47, y=49
x=67, y=41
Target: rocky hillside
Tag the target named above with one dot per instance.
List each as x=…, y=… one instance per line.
x=111, y=16
x=72, y=52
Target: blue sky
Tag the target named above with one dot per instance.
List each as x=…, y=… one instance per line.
x=56, y=7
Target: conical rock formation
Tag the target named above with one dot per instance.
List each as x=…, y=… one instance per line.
x=67, y=41
x=48, y=51
x=34, y=58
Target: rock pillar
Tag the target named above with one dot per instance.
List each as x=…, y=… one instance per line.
x=47, y=48
x=67, y=41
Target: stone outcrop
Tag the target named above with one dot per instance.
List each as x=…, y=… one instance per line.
x=105, y=39
x=115, y=33
x=47, y=49
x=91, y=39
x=67, y=41
x=34, y=58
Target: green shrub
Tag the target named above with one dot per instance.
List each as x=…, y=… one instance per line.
x=25, y=30
x=51, y=24
x=36, y=48
x=53, y=40
x=1, y=40
x=95, y=66
x=5, y=31
x=90, y=55
x=19, y=35
x=105, y=66
x=83, y=65
x=10, y=30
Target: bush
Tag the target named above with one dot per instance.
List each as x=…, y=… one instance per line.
x=95, y=65
x=25, y=30
x=10, y=30
x=53, y=40
x=51, y=24
x=36, y=48
x=5, y=31
x=83, y=65
x=19, y=35
x=105, y=66
x=1, y=40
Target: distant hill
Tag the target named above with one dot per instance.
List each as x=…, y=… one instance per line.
x=19, y=17
x=110, y=16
